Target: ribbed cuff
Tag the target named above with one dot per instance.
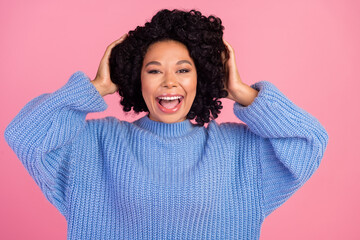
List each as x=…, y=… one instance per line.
x=271, y=114
x=80, y=94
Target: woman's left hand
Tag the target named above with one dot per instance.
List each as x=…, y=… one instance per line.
x=238, y=91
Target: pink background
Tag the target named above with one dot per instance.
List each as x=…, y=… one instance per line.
x=309, y=49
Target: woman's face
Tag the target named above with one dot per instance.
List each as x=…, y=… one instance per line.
x=168, y=81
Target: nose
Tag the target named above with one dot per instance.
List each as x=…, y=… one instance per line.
x=169, y=80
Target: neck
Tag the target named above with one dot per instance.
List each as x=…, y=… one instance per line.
x=176, y=129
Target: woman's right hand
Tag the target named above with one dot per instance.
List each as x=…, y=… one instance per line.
x=102, y=81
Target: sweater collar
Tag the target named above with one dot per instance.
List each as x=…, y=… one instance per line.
x=177, y=129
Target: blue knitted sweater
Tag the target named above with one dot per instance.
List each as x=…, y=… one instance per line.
x=113, y=179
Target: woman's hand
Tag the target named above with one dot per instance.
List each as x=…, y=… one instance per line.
x=102, y=81
x=238, y=91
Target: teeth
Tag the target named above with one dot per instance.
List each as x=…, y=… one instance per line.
x=169, y=98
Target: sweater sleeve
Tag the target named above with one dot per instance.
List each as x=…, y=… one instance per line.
x=42, y=132
x=292, y=143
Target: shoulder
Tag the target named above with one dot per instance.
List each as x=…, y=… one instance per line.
x=103, y=122
x=231, y=130
x=107, y=126
x=226, y=127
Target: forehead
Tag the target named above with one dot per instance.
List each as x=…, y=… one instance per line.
x=167, y=49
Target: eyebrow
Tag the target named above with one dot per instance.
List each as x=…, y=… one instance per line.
x=159, y=64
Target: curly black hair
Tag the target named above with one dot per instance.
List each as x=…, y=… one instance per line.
x=203, y=38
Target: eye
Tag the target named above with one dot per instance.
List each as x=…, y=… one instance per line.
x=185, y=70
x=153, y=71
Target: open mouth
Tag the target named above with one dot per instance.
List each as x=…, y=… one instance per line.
x=169, y=103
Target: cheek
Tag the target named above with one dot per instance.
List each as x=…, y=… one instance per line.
x=191, y=85
x=144, y=91
x=147, y=90
x=144, y=86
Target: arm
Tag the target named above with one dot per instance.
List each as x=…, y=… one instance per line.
x=292, y=141
x=42, y=132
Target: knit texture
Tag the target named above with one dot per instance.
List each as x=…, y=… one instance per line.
x=113, y=179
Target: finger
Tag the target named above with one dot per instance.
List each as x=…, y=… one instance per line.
x=229, y=47
x=113, y=44
x=122, y=38
x=223, y=57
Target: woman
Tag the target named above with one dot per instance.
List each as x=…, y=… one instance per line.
x=162, y=177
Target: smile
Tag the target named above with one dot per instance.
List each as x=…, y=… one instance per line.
x=169, y=104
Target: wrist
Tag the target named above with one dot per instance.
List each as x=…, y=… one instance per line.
x=99, y=87
x=245, y=94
